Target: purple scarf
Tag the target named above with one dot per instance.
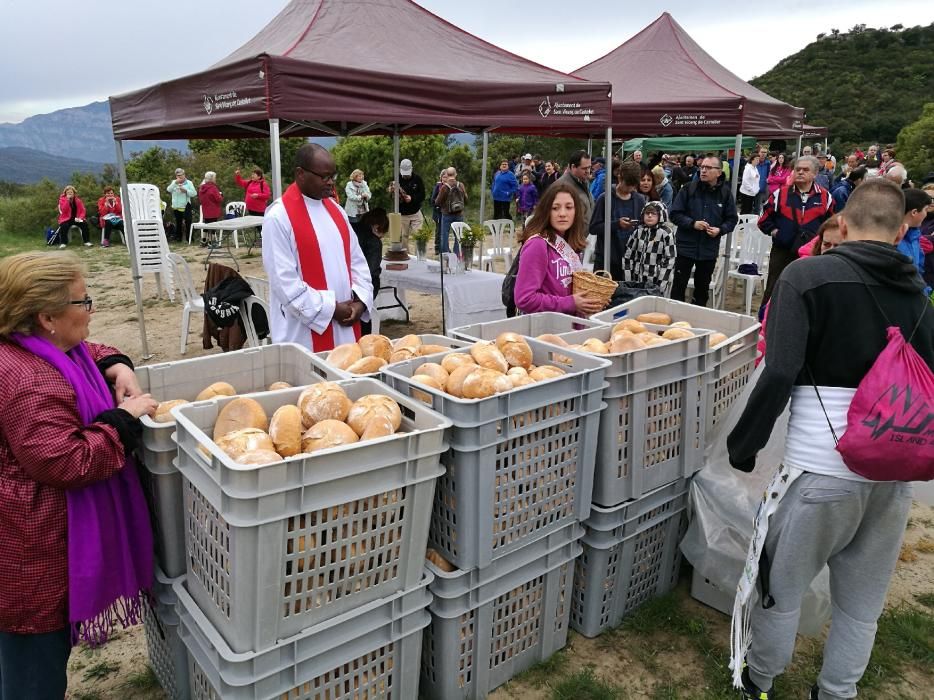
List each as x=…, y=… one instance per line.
x=110, y=551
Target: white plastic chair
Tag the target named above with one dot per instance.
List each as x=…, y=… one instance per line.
x=237, y=209
x=116, y=230
x=196, y=225
x=246, y=313
x=587, y=260
x=259, y=286
x=457, y=230
x=151, y=249
x=502, y=231
x=191, y=298
x=144, y=200
x=754, y=248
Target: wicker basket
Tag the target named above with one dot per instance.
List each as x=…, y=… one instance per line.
x=599, y=285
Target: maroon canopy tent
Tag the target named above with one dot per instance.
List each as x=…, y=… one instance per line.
x=350, y=67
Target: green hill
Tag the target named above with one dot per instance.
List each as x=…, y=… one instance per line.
x=864, y=84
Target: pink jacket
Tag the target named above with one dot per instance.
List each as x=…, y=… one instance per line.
x=777, y=178
x=255, y=187
x=543, y=282
x=64, y=209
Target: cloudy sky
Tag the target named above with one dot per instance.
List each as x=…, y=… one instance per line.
x=55, y=58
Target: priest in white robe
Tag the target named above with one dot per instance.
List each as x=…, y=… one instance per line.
x=319, y=282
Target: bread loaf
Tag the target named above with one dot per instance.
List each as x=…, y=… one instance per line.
x=433, y=369
x=326, y=434
x=377, y=427
x=163, y=412
x=626, y=341
x=650, y=340
x=285, y=429
x=407, y=341
x=455, y=385
x=323, y=401
x=374, y=345
x=681, y=324
x=553, y=339
x=456, y=359
x=427, y=380
x=716, y=338
x=515, y=349
x=238, y=414
x=239, y=442
x=439, y=561
x=431, y=349
x=484, y=382
x=371, y=406
x=366, y=365
x=520, y=380
x=544, y=372
x=216, y=389
x=275, y=386
x=677, y=334
x=657, y=318
x=402, y=354
x=259, y=457
x=629, y=324
x=344, y=355
x=595, y=345
x=489, y=356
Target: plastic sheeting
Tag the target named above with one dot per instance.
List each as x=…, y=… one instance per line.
x=723, y=505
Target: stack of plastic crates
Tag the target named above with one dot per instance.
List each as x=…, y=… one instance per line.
x=167, y=655
x=305, y=577
x=506, y=515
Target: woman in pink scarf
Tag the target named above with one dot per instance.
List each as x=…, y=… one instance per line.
x=778, y=173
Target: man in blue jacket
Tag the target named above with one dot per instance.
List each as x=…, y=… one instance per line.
x=703, y=212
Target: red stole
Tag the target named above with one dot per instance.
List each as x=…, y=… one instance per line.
x=309, y=253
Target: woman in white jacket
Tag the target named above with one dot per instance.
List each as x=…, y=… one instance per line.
x=750, y=186
x=358, y=196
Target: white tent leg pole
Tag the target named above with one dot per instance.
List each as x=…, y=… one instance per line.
x=825, y=144
x=395, y=170
x=486, y=151
x=131, y=247
x=590, y=144
x=275, y=158
x=608, y=207
x=734, y=188
x=798, y=152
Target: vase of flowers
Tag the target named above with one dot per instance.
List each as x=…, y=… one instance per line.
x=422, y=236
x=469, y=240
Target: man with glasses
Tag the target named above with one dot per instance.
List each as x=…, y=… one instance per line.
x=792, y=216
x=703, y=211
x=578, y=177
x=319, y=282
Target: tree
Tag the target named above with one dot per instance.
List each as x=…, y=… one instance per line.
x=249, y=153
x=915, y=144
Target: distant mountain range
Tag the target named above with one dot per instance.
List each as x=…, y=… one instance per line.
x=27, y=165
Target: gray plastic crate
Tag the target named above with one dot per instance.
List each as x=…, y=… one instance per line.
x=248, y=370
x=652, y=431
x=729, y=365
x=488, y=625
x=370, y=652
x=333, y=374
x=631, y=555
x=276, y=548
x=520, y=463
x=167, y=655
x=711, y=595
x=530, y=325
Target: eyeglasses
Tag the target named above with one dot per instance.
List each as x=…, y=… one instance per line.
x=324, y=178
x=87, y=303
x=709, y=167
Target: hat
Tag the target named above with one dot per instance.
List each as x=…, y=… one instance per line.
x=527, y=156
x=405, y=167
x=179, y=171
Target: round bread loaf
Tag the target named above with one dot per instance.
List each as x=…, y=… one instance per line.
x=651, y=339
x=407, y=341
x=285, y=429
x=259, y=457
x=371, y=406
x=455, y=384
x=216, y=389
x=489, y=356
x=716, y=338
x=626, y=341
x=543, y=372
x=657, y=318
x=374, y=345
x=484, y=382
x=553, y=339
x=326, y=434
x=431, y=349
x=595, y=345
x=238, y=414
x=677, y=334
x=163, y=412
x=402, y=354
x=433, y=369
x=366, y=365
x=380, y=426
x=681, y=324
x=517, y=371
x=515, y=349
x=427, y=380
x=629, y=324
x=520, y=380
x=344, y=355
x=275, y=386
x=239, y=442
x=456, y=359
x=323, y=401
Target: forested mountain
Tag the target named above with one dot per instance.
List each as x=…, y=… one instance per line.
x=864, y=84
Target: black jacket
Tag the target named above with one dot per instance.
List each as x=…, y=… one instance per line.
x=372, y=248
x=631, y=208
x=415, y=188
x=701, y=202
x=823, y=316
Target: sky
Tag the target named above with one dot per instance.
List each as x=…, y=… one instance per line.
x=44, y=70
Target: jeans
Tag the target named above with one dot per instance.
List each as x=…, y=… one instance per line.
x=182, y=221
x=446, y=221
x=33, y=666
x=501, y=210
x=703, y=271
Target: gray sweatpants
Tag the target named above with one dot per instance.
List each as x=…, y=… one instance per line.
x=857, y=529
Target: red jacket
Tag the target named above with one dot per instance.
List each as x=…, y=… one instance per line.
x=44, y=450
x=64, y=209
x=103, y=209
x=257, y=187
x=211, y=200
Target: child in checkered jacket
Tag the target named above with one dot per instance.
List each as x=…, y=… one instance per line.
x=650, y=252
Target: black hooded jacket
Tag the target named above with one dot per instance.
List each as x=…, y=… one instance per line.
x=822, y=315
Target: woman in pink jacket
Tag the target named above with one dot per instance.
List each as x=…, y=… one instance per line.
x=778, y=173
x=257, y=191
x=554, y=239
x=71, y=212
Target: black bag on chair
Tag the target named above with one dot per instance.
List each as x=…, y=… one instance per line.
x=627, y=291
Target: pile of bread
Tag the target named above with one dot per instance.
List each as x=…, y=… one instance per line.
x=371, y=352
x=486, y=369
x=163, y=412
x=633, y=334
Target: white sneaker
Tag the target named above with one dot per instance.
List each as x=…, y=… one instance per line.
x=62, y=246
x=88, y=245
